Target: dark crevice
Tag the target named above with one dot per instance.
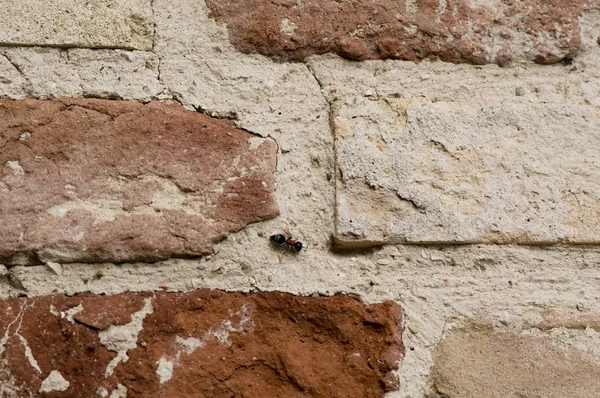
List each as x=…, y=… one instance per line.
x=94, y=328
x=71, y=46
x=158, y=57
x=337, y=172
x=415, y=204
x=89, y=108
x=15, y=65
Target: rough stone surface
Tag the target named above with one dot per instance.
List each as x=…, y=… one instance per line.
x=96, y=180
x=465, y=172
x=438, y=81
x=62, y=23
x=481, y=362
x=550, y=291
x=455, y=31
x=50, y=72
x=202, y=343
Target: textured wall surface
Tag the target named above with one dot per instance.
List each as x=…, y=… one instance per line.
x=439, y=161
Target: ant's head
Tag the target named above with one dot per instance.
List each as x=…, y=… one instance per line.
x=279, y=239
x=298, y=246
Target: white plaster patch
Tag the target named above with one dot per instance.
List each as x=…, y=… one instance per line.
x=191, y=344
x=54, y=382
x=222, y=337
x=166, y=197
x=122, y=338
x=25, y=136
x=29, y=354
x=18, y=321
x=110, y=368
x=71, y=312
x=53, y=310
x=102, y=392
x=119, y=392
x=15, y=167
x=165, y=370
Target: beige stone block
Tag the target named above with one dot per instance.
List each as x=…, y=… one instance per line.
x=466, y=173
x=98, y=24
x=51, y=72
x=482, y=363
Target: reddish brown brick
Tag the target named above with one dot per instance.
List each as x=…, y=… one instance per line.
x=95, y=180
x=453, y=30
x=203, y=343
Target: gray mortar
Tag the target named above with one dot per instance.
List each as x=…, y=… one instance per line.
x=439, y=287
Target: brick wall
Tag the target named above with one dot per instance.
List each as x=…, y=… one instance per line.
x=438, y=161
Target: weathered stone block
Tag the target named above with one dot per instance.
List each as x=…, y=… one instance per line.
x=455, y=31
x=482, y=363
x=97, y=180
x=464, y=173
x=60, y=23
x=35, y=72
x=202, y=343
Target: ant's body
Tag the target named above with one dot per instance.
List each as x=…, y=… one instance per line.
x=288, y=242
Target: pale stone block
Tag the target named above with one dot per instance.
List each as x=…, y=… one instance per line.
x=62, y=23
x=465, y=172
x=50, y=72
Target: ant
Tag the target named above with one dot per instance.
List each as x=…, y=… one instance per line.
x=288, y=243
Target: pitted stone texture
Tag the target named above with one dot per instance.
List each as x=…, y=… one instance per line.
x=60, y=23
x=441, y=81
x=481, y=362
x=463, y=172
x=50, y=72
x=97, y=180
x=456, y=31
x=204, y=343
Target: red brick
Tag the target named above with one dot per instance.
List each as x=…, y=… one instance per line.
x=454, y=30
x=252, y=345
x=96, y=180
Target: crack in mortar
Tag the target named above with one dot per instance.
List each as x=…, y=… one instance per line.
x=153, y=50
x=15, y=65
x=336, y=170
